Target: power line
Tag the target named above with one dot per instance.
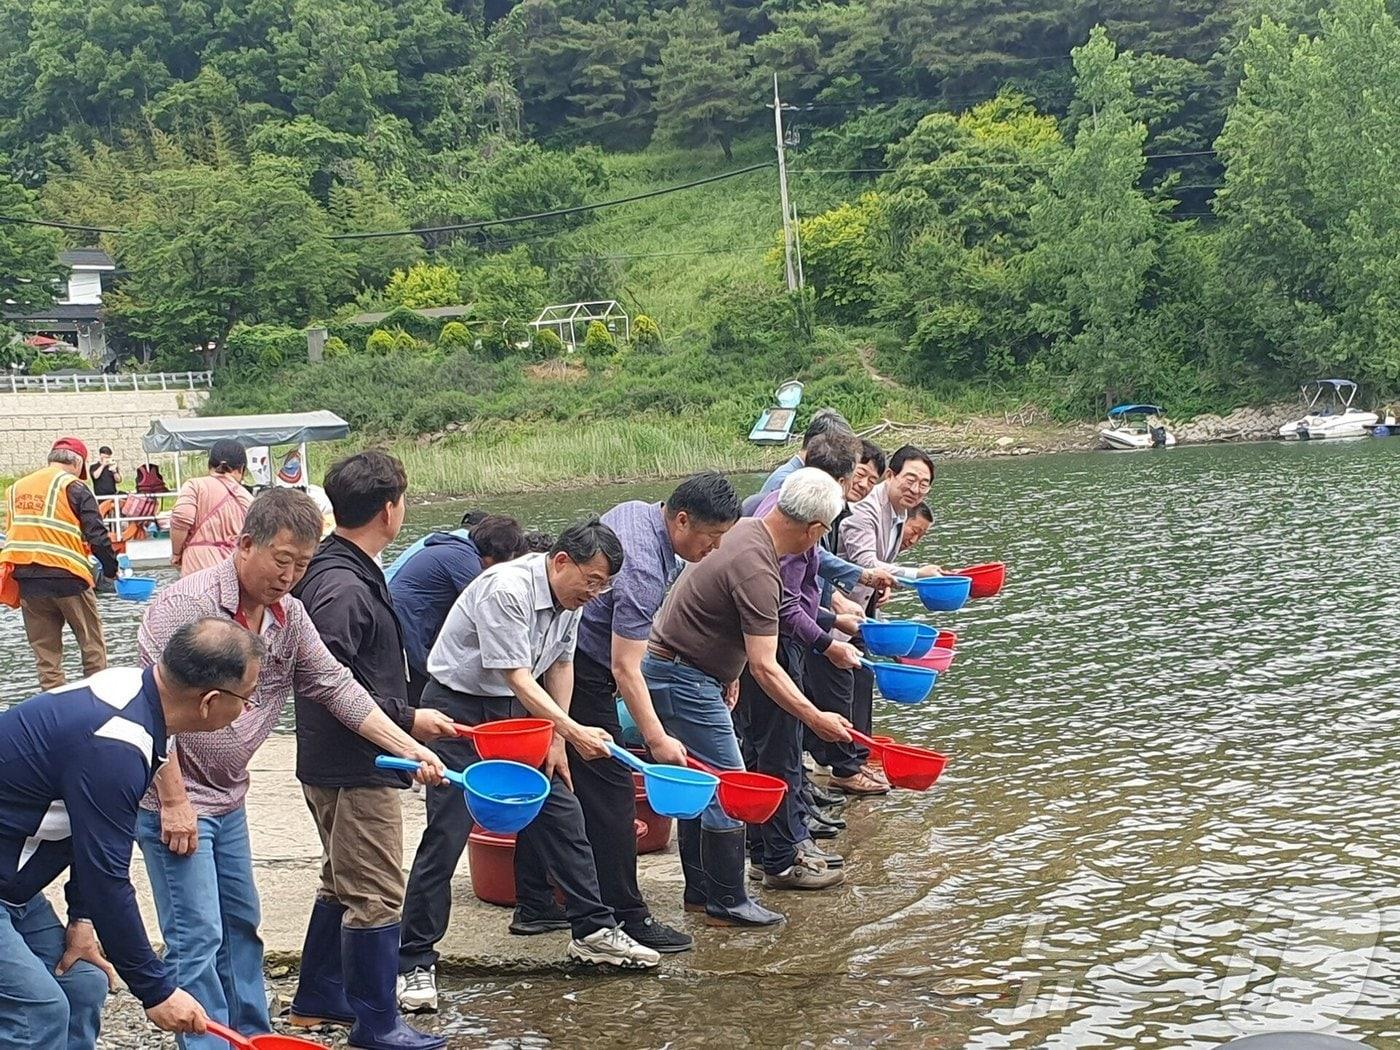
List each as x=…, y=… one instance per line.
x=554, y=213
x=59, y=225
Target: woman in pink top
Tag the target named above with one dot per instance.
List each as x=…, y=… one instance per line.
x=208, y=514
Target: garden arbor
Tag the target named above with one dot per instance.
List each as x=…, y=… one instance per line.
x=570, y=321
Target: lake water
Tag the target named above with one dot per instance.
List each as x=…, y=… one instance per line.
x=1172, y=815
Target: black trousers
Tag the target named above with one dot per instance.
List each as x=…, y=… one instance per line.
x=605, y=792
x=774, y=739
x=849, y=694
x=554, y=842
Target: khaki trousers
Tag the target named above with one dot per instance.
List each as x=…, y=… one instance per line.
x=43, y=623
x=361, y=833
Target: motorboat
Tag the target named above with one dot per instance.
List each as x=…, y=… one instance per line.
x=1136, y=427
x=1329, y=413
x=774, y=425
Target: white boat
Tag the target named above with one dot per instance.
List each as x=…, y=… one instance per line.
x=151, y=549
x=1136, y=427
x=1329, y=413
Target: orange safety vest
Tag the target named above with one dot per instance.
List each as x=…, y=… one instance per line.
x=40, y=526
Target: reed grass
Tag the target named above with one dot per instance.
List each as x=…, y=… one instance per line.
x=511, y=458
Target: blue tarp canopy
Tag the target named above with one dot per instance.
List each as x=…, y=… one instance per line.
x=1127, y=410
x=198, y=433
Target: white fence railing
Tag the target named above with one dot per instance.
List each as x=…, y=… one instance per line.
x=78, y=383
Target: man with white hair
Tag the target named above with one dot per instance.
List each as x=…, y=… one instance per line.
x=721, y=616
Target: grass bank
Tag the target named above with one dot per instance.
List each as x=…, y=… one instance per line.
x=501, y=459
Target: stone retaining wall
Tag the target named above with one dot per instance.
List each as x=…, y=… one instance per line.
x=32, y=422
x=1243, y=424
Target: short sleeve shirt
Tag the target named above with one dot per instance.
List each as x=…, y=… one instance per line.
x=505, y=619
x=649, y=567
x=732, y=592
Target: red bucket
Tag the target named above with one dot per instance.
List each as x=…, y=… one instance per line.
x=913, y=768
x=875, y=752
x=987, y=579
x=935, y=659
x=946, y=640
x=524, y=740
x=269, y=1041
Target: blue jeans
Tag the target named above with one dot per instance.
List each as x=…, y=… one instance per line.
x=37, y=1008
x=691, y=707
x=209, y=916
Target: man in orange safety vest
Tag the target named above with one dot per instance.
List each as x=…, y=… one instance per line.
x=51, y=525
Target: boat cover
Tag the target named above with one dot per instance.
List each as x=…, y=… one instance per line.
x=198, y=433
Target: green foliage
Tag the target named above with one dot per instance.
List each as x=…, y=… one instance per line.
x=265, y=347
x=1311, y=241
x=454, y=336
x=424, y=285
x=508, y=286
x=335, y=347
x=216, y=247
x=646, y=335
x=380, y=343
x=547, y=344
x=598, y=344
x=29, y=269
x=841, y=255
x=1097, y=234
x=706, y=88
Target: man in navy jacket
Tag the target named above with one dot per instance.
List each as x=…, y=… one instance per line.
x=429, y=580
x=74, y=763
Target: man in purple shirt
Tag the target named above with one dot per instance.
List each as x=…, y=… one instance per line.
x=612, y=637
x=773, y=737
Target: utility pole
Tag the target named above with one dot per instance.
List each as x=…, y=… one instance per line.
x=793, y=281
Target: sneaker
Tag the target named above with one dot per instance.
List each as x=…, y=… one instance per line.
x=529, y=923
x=612, y=947
x=417, y=990
x=859, y=784
x=804, y=875
x=658, y=936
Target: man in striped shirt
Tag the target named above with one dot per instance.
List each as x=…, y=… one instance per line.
x=193, y=828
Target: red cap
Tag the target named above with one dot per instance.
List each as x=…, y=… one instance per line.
x=72, y=444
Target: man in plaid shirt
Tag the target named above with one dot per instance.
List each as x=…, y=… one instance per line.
x=193, y=828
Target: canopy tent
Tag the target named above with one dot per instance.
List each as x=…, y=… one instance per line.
x=199, y=433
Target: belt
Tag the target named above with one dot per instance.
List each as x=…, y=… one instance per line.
x=660, y=651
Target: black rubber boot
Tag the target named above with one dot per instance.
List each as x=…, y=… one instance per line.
x=371, y=963
x=320, y=996
x=722, y=854
x=688, y=839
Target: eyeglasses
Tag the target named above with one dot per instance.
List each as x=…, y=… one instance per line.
x=248, y=701
x=592, y=584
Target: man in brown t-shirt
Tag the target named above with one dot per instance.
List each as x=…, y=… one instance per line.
x=719, y=617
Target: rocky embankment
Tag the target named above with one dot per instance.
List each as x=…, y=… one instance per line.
x=1243, y=424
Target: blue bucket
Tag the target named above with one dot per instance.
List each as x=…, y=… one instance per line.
x=902, y=683
x=943, y=593
x=504, y=796
x=924, y=642
x=890, y=637
x=674, y=791
x=135, y=588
